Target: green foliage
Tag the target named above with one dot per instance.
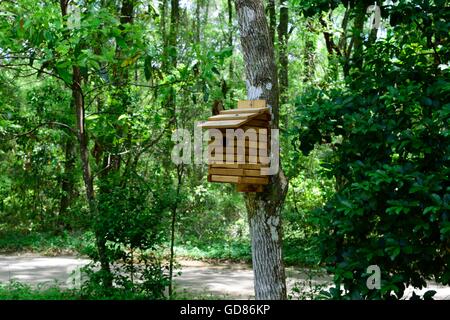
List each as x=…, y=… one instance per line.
x=131, y=221
x=224, y=250
x=18, y=291
x=46, y=243
x=309, y=189
x=367, y=157
x=312, y=287
x=390, y=136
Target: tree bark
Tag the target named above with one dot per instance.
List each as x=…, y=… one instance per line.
x=358, y=37
x=87, y=175
x=68, y=179
x=283, y=38
x=230, y=43
x=180, y=172
x=272, y=19
x=264, y=208
x=171, y=105
x=173, y=31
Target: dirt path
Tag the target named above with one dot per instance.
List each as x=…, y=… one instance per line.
x=232, y=281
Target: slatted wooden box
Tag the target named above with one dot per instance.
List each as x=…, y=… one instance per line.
x=244, y=170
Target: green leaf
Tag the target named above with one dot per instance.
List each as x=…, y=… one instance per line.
x=63, y=71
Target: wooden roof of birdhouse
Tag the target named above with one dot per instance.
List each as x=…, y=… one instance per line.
x=235, y=118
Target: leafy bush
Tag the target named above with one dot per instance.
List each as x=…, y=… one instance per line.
x=389, y=129
x=131, y=221
x=18, y=291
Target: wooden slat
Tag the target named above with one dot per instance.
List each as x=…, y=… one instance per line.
x=226, y=171
x=247, y=158
x=227, y=150
x=235, y=172
x=243, y=104
x=262, y=160
x=254, y=180
x=215, y=146
x=239, y=166
x=227, y=179
x=248, y=144
x=261, y=133
x=259, y=104
x=252, y=173
x=238, y=180
x=234, y=158
x=232, y=124
x=248, y=151
x=246, y=110
x=233, y=116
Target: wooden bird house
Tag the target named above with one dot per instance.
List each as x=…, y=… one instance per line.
x=238, y=148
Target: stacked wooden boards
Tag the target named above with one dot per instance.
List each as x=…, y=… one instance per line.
x=240, y=162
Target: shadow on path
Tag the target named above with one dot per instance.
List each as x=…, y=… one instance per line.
x=232, y=281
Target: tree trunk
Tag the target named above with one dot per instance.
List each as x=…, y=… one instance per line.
x=358, y=36
x=68, y=179
x=283, y=38
x=263, y=208
x=180, y=172
x=230, y=43
x=87, y=175
x=163, y=9
x=170, y=103
x=309, y=51
x=173, y=31
x=272, y=19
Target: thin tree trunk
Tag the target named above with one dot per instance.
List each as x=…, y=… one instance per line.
x=163, y=9
x=180, y=171
x=230, y=44
x=272, y=19
x=309, y=50
x=358, y=37
x=264, y=209
x=173, y=32
x=68, y=180
x=283, y=38
x=171, y=105
x=87, y=175
x=196, y=22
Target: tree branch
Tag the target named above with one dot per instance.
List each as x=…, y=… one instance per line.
x=50, y=123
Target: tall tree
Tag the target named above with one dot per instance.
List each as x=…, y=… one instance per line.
x=272, y=19
x=230, y=41
x=83, y=139
x=283, y=37
x=171, y=106
x=263, y=208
